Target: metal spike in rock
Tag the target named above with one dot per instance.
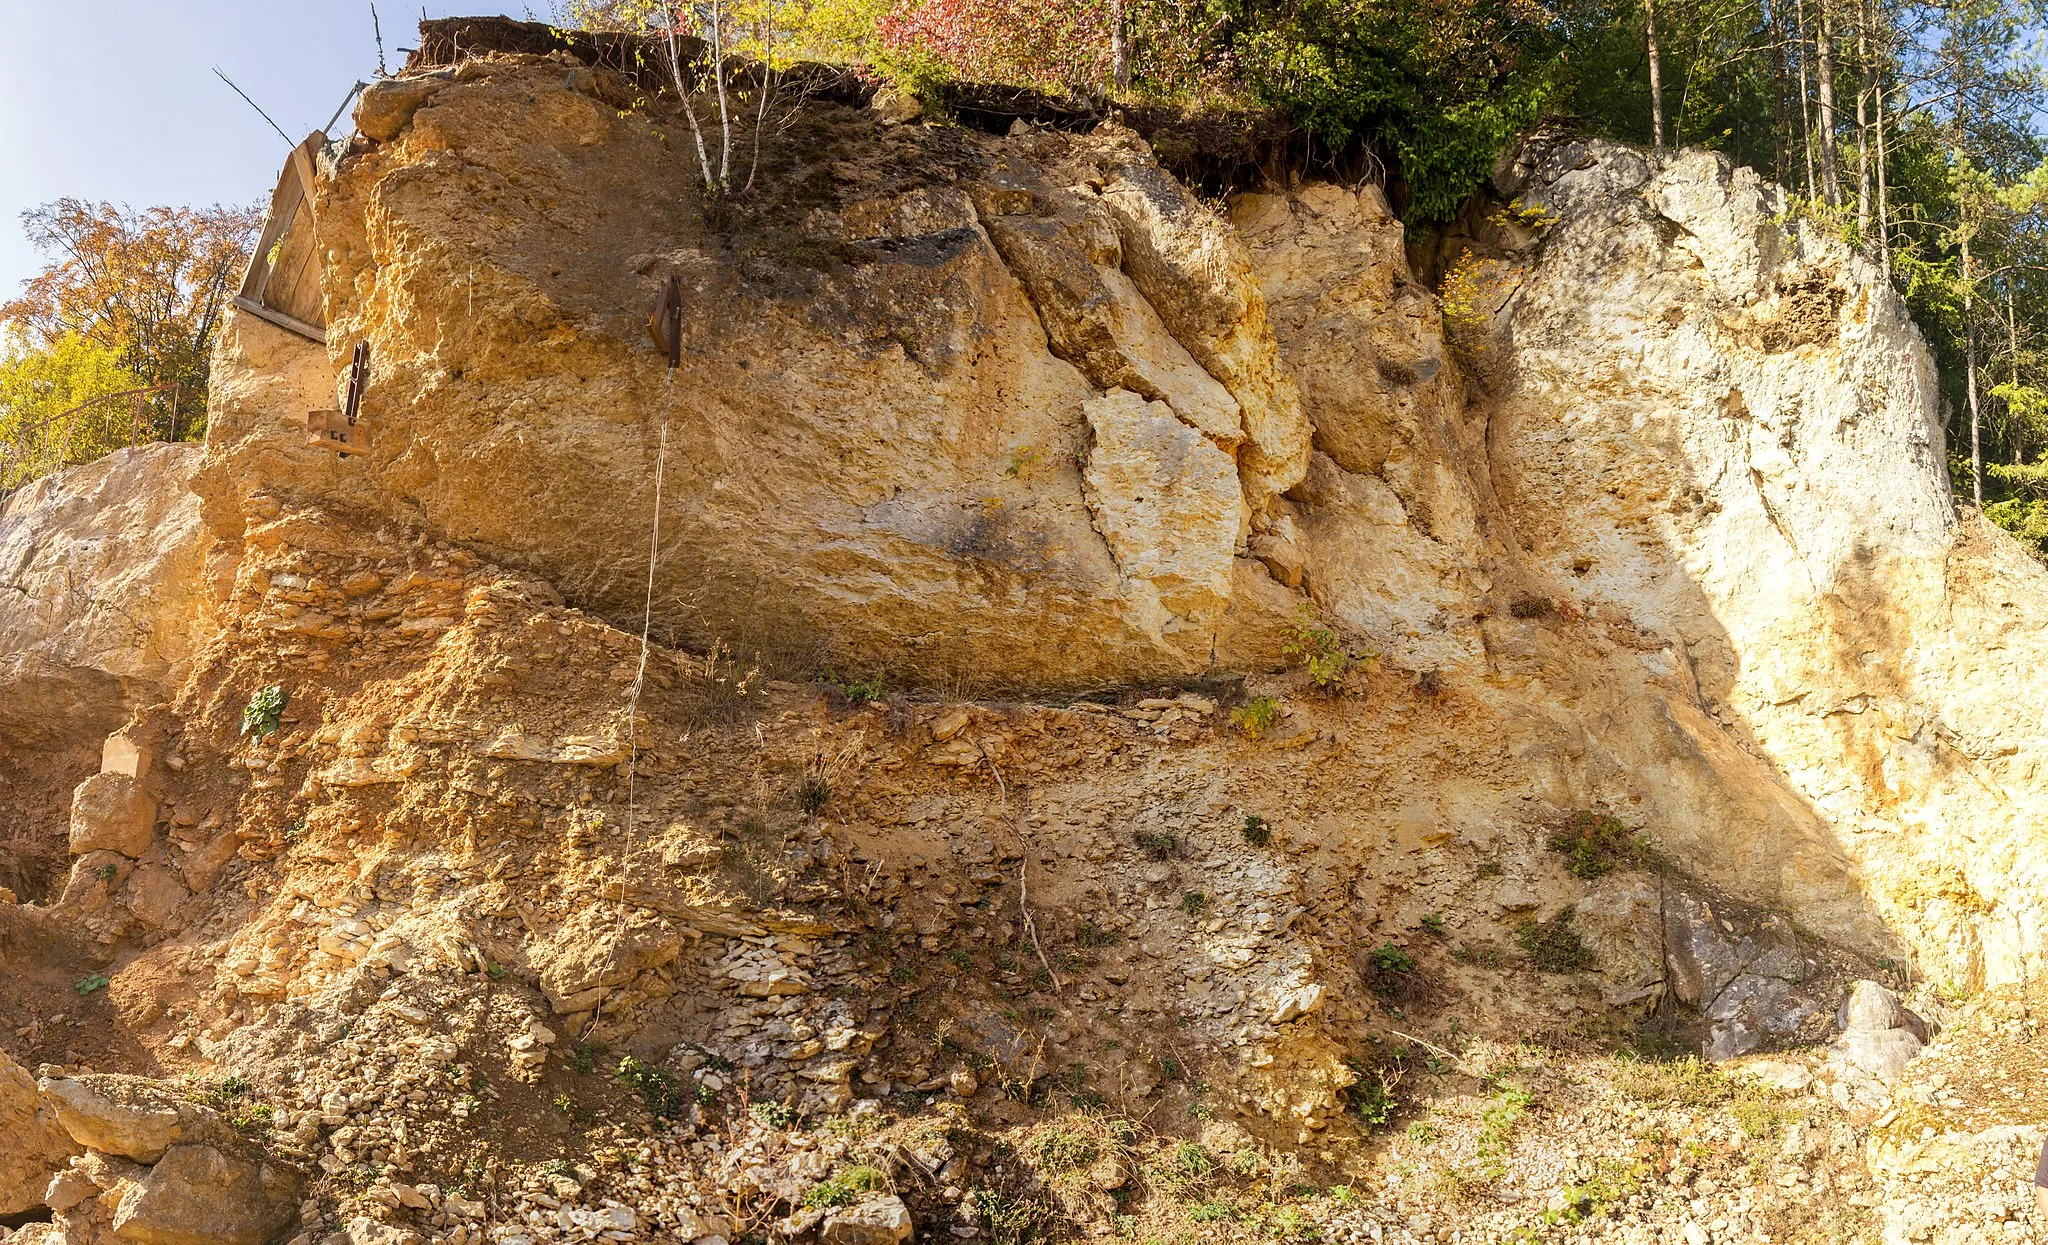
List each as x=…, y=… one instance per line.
x=343, y=431
x=665, y=322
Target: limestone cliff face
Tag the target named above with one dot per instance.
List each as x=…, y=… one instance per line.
x=1022, y=413
x=1727, y=434
x=943, y=393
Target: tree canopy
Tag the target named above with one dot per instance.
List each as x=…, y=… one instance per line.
x=128, y=300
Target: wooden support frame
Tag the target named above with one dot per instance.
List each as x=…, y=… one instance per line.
x=287, y=303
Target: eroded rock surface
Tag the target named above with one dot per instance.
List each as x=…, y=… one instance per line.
x=101, y=593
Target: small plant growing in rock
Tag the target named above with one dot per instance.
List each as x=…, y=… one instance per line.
x=1022, y=461
x=86, y=985
x=857, y=691
x=1465, y=294
x=265, y=712
x=813, y=794
x=657, y=1089
x=1257, y=831
x=1192, y=902
x=106, y=872
x=844, y=1189
x=1531, y=607
x=1257, y=716
x=1553, y=946
x=774, y=1114
x=1595, y=844
x=496, y=971
x=1434, y=922
x=1321, y=652
x=1530, y=216
x=1089, y=934
x=1371, y=1098
x=1156, y=846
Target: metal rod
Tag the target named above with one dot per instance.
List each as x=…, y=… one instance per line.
x=253, y=104
x=345, y=100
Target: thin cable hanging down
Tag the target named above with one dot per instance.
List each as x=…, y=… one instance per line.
x=666, y=327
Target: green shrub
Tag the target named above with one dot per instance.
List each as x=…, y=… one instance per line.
x=265, y=711
x=845, y=1188
x=1156, y=846
x=774, y=1114
x=1192, y=902
x=1257, y=716
x=1319, y=650
x=1553, y=946
x=1388, y=958
x=1257, y=831
x=657, y=1089
x=2027, y=520
x=1371, y=1097
x=1595, y=844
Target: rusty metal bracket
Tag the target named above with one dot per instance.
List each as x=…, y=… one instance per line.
x=342, y=431
x=665, y=322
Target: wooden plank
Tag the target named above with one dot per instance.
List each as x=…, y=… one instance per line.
x=294, y=190
x=312, y=332
x=294, y=285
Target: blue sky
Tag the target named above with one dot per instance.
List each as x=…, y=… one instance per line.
x=117, y=100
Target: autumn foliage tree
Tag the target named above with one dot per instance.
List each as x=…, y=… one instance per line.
x=131, y=296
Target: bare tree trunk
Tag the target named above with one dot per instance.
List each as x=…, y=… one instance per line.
x=1824, y=66
x=1884, y=210
x=2012, y=350
x=1119, y=48
x=724, y=110
x=766, y=85
x=672, y=37
x=1656, y=75
x=1805, y=101
x=1970, y=357
x=1863, y=86
x=1781, y=119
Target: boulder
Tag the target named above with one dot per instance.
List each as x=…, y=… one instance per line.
x=200, y=1194
x=386, y=108
x=1870, y=1008
x=1881, y=1054
x=111, y=812
x=878, y=1221
x=363, y=1230
x=106, y=565
x=36, y=1145
x=123, y=1115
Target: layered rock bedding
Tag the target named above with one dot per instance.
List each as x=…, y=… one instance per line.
x=1126, y=726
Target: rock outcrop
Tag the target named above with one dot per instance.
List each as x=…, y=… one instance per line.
x=879, y=452
x=102, y=597
x=37, y=1146
x=1657, y=553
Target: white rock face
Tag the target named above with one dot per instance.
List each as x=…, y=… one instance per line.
x=1728, y=435
x=1167, y=501
x=100, y=601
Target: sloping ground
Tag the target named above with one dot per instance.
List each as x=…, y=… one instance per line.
x=487, y=921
